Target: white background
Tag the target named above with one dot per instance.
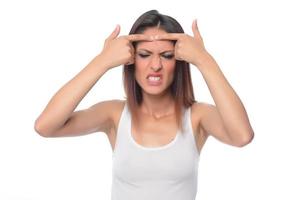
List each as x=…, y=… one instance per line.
x=43, y=44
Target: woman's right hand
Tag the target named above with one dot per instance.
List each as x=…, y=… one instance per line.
x=119, y=50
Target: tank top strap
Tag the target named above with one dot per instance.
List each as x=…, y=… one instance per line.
x=188, y=129
x=123, y=127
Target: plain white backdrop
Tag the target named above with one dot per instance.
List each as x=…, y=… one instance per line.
x=43, y=44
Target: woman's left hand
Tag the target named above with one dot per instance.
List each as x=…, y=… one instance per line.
x=188, y=48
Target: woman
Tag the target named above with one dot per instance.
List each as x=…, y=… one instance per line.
x=157, y=133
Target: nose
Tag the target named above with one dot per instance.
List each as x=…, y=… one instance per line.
x=156, y=64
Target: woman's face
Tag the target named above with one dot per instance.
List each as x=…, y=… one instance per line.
x=154, y=63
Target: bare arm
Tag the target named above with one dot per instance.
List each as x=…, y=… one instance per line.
x=227, y=120
x=59, y=119
x=61, y=106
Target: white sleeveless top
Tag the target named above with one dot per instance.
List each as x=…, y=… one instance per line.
x=167, y=172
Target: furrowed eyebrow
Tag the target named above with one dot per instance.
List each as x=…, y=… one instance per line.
x=147, y=51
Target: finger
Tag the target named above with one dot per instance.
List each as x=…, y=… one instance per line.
x=168, y=36
x=115, y=33
x=132, y=58
x=130, y=62
x=196, y=31
x=139, y=37
x=177, y=57
x=131, y=50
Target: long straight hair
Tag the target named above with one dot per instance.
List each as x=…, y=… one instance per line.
x=181, y=88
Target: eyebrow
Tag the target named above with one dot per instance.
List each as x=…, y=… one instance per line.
x=151, y=52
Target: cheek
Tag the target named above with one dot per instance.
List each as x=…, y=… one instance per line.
x=140, y=64
x=140, y=69
x=169, y=66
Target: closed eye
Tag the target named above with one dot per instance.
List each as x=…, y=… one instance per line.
x=143, y=55
x=168, y=56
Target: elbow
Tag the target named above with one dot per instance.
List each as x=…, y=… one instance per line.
x=40, y=130
x=245, y=140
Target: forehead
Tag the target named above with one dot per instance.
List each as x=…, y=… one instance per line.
x=158, y=45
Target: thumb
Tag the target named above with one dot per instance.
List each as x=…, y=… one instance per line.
x=115, y=33
x=196, y=31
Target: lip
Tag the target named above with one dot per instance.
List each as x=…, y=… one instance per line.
x=154, y=83
x=155, y=75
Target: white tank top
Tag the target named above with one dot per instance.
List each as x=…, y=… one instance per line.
x=167, y=172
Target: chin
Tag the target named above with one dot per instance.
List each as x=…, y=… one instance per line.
x=155, y=91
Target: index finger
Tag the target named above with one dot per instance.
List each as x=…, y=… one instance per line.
x=139, y=37
x=168, y=36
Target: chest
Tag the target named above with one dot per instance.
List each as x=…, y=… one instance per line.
x=151, y=132
x=155, y=133
x=164, y=155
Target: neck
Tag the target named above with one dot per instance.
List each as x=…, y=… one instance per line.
x=158, y=106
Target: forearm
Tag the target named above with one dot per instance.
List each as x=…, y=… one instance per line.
x=67, y=98
x=228, y=103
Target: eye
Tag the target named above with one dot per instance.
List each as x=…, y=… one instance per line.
x=168, y=56
x=143, y=55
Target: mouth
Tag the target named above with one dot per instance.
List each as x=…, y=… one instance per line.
x=154, y=79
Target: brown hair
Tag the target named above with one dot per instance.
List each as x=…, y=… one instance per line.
x=181, y=87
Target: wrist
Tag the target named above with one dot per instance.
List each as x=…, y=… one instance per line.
x=203, y=60
x=101, y=61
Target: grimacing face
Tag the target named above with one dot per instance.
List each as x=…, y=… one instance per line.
x=154, y=63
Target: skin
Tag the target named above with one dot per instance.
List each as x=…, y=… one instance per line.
x=160, y=59
x=227, y=121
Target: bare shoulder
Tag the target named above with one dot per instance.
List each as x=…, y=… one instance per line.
x=110, y=106
x=99, y=117
x=203, y=106
x=211, y=123
x=114, y=108
x=198, y=111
